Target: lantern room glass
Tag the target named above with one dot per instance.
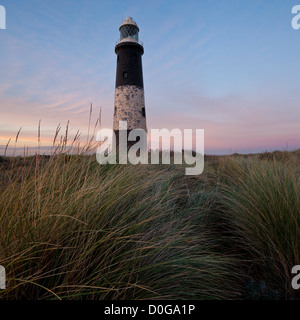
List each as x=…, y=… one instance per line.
x=129, y=31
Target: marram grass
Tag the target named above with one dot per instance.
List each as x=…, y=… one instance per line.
x=262, y=210
x=72, y=229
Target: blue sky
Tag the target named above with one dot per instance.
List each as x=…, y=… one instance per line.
x=229, y=67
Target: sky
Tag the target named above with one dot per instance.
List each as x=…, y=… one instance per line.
x=228, y=67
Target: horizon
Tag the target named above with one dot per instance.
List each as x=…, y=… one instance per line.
x=229, y=69
x=48, y=150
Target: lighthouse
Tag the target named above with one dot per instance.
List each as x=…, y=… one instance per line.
x=129, y=91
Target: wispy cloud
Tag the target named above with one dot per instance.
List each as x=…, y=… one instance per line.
x=213, y=66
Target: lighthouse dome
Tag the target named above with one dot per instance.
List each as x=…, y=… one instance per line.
x=129, y=21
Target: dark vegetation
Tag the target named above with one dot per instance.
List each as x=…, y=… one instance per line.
x=72, y=229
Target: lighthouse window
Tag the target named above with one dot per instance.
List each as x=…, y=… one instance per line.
x=129, y=31
x=125, y=75
x=143, y=112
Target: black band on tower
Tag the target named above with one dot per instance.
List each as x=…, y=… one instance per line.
x=129, y=64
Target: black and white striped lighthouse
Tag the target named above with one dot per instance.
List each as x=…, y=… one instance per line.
x=129, y=92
